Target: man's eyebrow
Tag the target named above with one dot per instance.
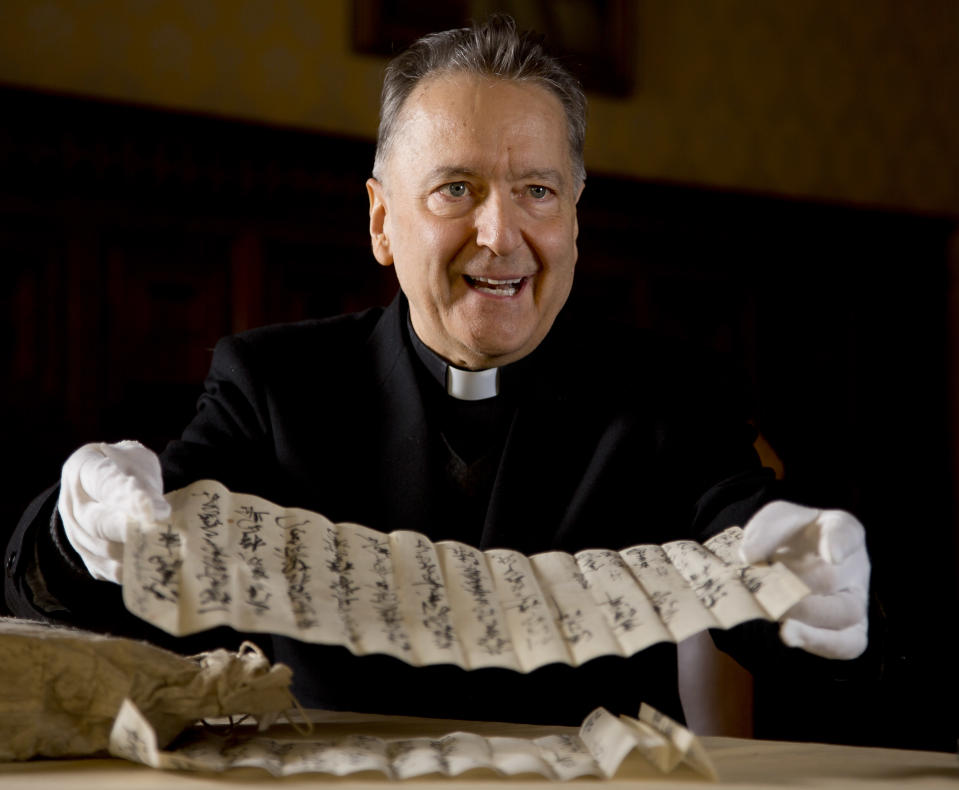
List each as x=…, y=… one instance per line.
x=548, y=174
x=453, y=172
x=450, y=172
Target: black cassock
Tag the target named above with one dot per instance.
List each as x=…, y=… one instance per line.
x=603, y=437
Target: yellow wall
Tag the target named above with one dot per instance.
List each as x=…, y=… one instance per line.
x=841, y=99
x=850, y=100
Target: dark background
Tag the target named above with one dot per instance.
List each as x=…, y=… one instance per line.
x=132, y=238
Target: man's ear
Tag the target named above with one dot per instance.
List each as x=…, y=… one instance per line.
x=379, y=238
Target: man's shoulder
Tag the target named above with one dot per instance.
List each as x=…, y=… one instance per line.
x=301, y=351
x=625, y=362
x=623, y=349
x=334, y=334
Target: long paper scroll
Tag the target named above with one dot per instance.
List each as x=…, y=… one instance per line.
x=598, y=749
x=239, y=560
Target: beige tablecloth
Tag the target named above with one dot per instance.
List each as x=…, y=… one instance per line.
x=741, y=764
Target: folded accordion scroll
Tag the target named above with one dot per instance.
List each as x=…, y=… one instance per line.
x=410, y=749
x=234, y=559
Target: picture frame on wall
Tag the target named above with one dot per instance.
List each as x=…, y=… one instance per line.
x=595, y=39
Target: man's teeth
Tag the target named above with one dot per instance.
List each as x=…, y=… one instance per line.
x=491, y=281
x=494, y=286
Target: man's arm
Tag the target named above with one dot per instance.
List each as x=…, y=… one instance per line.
x=64, y=560
x=711, y=453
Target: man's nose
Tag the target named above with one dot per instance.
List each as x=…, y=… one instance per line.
x=498, y=224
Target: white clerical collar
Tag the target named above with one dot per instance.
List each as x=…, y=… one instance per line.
x=460, y=383
x=472, y=384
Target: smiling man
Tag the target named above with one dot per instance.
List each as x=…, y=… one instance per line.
x=472, y=408
x=475, y=204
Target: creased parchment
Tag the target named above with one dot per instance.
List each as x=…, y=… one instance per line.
x=598, y=749
x=61, y=688
x=239, y=560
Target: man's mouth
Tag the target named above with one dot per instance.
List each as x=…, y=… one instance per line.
x=495, y=287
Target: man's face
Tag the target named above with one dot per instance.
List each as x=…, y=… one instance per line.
x=477, y=210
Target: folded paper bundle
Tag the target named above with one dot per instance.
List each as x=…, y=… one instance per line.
x=61, y=688
x=235, y=559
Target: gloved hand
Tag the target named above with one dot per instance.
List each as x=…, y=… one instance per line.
x=827, y=550
x=102, y=487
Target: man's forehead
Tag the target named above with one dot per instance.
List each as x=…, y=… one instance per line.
x=459, y=124
x=440, y=95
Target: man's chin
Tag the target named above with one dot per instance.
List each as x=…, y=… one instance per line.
x=495, y=349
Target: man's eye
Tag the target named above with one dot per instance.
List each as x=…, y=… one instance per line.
x=457, y=189
x=539, y=192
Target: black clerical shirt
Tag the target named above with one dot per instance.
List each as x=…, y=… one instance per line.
x=471, y=435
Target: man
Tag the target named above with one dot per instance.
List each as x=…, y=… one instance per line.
x=470, y=409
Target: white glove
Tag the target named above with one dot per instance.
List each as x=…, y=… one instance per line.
x=102, y=488
x=827, y=550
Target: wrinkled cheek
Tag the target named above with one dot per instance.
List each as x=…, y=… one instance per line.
x=563, y=277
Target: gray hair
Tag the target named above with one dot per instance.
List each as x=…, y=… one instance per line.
x=494, y=49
